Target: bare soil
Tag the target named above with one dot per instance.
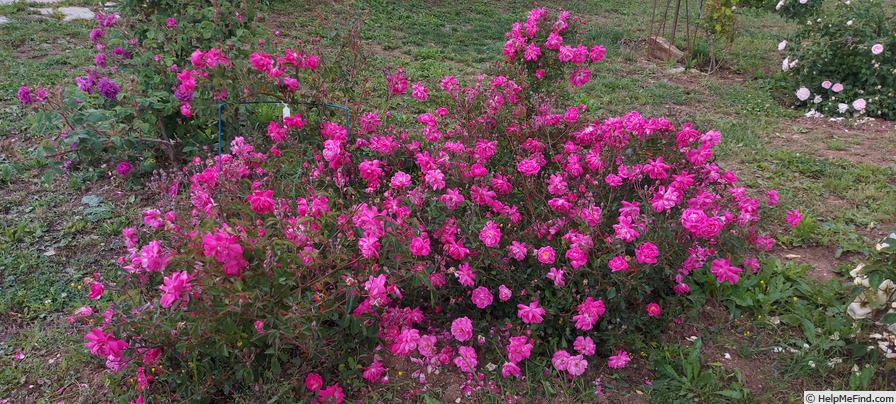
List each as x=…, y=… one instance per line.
x=821, y=259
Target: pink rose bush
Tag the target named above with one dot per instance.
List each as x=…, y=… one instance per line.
x=397, y=237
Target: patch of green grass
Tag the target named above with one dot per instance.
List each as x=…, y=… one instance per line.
x=750, y=99
x=752, y=52
x=681, y=376
x=55, y=366
x=49, y=245
x=38, y=51
x=811, y=183
x=836, y=144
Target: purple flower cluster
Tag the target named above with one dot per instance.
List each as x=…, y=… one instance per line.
x=121, y=53
x=25, y=95
x=107, y=88
x=28, y=96
x=182, y=94
x=86, y=83
x=106, y=21
x=124, y=168
x=96, y=35
x=104, y=86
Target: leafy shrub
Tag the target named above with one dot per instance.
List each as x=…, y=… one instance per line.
x=718, y=18
x=843, y=62
x=502, y=225
x=874, y=281
x=792, y=9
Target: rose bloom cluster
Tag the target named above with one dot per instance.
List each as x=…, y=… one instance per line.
x=539, y=43
x=444, y=237
x=97, y=79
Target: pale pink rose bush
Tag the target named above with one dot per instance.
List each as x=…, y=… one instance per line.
x=856, y=80
x=502, y=226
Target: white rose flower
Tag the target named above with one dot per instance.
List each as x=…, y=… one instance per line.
x=803, y=94
x=885, y=292
x=782, y=45
x=855, y=272
x=857, y=311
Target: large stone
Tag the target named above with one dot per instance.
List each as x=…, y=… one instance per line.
x=68, y=13
x=76, y=13
x=4, y=19
x=8, y=2
x=659, y=48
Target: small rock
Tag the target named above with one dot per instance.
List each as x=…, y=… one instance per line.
x=676, y=70
x=727, y=355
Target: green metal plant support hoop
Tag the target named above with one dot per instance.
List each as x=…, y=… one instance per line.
x=223, y=104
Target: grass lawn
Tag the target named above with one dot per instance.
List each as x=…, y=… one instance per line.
x=787, y=336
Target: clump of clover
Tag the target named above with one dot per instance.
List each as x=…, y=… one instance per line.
x=843, y=63
x=501, y=227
